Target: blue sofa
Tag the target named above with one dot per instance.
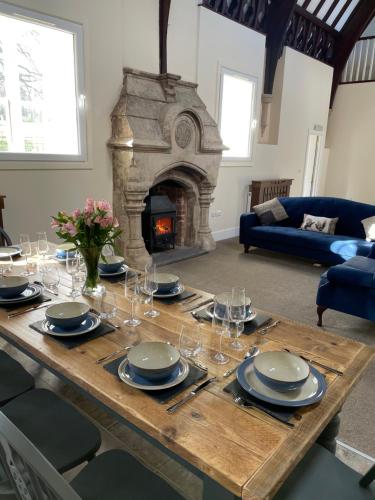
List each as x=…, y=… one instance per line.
x=347, y=242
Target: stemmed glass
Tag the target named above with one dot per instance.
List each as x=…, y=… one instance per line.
x=25, y=246
x=72, y=267
x=42, y=243
x=237, y=314
x=220, y=326
x=6, y=264
x=190, y=340
x=132, y=293
x=150, y=288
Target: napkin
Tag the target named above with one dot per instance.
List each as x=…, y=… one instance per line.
x=283, y=413
x=164, y=395
x=249, y=327
x=177, y=298
x=71, y=342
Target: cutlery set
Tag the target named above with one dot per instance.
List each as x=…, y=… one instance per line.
x=317, y=363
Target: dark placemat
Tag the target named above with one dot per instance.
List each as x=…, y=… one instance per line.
x=24, y=305
x=119, y=277
x=249, y=327
x=163, y=396
x=283, y=413
x=174, y=300
x=71, y=342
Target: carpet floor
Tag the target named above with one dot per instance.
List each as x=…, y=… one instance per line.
x=288, y=285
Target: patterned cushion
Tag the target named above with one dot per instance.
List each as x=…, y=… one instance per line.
x=319, y=224
x=369, y=227
x=270, y=212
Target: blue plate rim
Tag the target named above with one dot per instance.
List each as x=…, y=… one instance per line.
x=322, y=388
x=38, y=289
x=73, y=333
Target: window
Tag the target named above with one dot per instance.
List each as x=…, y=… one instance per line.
x=236, y=114
x=41, y=87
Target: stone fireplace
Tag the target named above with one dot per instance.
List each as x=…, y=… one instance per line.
x=163, y=143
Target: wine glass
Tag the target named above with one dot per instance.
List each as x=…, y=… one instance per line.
x=72, y=267
x=237, y=314
x=132, y=293
x=50, y=278
x=25, y=247
x=42, y=243
x=6, y=264
x=190, y=340
x=220, y=326
x=150, y=287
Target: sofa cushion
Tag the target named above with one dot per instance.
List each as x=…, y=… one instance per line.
x=358, y=271
x=344, y=246
x=319, y=224
x=270, y=212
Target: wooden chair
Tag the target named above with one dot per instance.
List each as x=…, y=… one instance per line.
x=14, y=379
x=322, y=476
x=113, y=475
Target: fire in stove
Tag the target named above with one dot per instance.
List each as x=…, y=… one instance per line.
x=164, y=225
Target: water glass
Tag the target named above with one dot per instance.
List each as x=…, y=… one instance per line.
x=150, y=287
x=190, y=340
x=237, y=314
x=50, y=277
x=106, y=305
x=42, y=243
x=220, y=327
x=132, y=294
x=72, y=268
x=6, y=264
x=25, y=247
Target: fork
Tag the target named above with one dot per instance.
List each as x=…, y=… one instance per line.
x=111, y=354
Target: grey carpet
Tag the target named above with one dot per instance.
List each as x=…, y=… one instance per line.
x=288, y=285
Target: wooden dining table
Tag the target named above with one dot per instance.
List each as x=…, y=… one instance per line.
x=238, y=452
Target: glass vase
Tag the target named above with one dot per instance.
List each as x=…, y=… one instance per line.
x=92, y=286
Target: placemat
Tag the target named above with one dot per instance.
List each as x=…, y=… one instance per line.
x=71, y=342
x=249, y=327
x=174, y=300
x=283, y=413
x=163, y=396
x=119, y=277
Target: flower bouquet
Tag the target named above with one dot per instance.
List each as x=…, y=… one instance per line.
x=89, y=230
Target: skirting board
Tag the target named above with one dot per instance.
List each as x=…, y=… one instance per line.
x=225, y=234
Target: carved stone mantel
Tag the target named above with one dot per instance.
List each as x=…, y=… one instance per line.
x=161, y=130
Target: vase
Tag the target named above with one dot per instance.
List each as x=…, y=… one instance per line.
x=91, y=256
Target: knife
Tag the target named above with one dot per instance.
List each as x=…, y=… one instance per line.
x=197, y=306
x=191, y=395
x=33, y=308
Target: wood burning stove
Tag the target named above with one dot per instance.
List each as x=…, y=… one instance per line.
x=159, y=223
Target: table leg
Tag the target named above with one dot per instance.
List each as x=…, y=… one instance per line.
x=328, y=437
x=214, y=491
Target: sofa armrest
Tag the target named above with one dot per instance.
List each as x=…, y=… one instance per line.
x=247, y=221
x=343, y=274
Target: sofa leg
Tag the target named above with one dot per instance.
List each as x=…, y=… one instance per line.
x=246, y=248
x=320, y=310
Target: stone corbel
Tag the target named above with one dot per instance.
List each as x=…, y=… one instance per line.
x=136, y=253
x=205, y=238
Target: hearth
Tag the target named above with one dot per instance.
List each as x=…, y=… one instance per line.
x=159, y=223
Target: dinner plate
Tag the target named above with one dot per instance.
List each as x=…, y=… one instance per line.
x=127, y=375
x=9, y=251
x=210, y=312
x=310, y=392
x=32, y=292
x=91, y=323
x=172, y=293
x=122, y=270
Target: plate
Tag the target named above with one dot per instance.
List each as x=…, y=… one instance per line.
x=91, y=323
x=310, y=392
x=9, y=251
x=61, y=259
x=122, y=270
x=210, y=312
x=32, y=292
x=172, y=293
x=130, y=378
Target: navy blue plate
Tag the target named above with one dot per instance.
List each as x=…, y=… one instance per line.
x=91, y=323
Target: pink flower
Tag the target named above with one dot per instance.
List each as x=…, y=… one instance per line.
x=70, y=228
x=76, y=213
x=104, y=205
x=115, y=222
x=55, y=224
x=90, y=207
x=106, y=222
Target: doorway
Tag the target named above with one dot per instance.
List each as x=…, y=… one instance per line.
x=312, y=164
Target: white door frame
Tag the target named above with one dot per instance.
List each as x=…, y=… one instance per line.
x=318, y=162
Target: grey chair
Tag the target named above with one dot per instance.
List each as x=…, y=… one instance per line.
x=5, y=238
x=113, y=475
x=322, y=476
x=14, y=379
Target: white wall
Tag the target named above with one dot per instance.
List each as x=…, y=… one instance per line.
x=351, y=170
x=125, y=33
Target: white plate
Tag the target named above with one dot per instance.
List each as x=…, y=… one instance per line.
x=122, y=270
x=177, y=291
x=91, y=323
x=130, y=378
x=9, y=251
x=32, y=292
x=209, y=311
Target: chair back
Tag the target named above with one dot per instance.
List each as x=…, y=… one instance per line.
x=4, y=237
x=30, y=474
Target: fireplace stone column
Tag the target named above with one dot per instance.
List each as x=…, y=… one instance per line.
x=205, y=238
x=136, y=253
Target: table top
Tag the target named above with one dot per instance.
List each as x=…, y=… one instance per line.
x=246, y=451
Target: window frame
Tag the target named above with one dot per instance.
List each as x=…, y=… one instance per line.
x=76, y=30
x=239, y=160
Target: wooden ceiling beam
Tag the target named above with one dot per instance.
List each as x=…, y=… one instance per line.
x=277, y=22
x=341, y=13
x=318, y=7
x=164, y=8
x=349, y=35
x=330, y=10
